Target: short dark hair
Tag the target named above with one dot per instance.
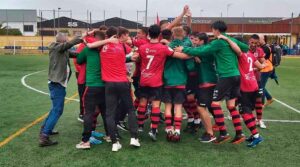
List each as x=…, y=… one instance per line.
x=187, y=30
x=203, y=36
x=219, y=25
x=122, y=31
x=103, y=28
x=154, y=31
x=99, y=34
x=144, y=30
x=166, y=34
x=111, y=31
x=163, y=22
x=254, y=36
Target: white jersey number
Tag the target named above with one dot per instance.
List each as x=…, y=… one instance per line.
x=250, y=61
x=150, y=61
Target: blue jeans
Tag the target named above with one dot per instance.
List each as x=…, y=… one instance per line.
x=57, y=95
x=264, y=79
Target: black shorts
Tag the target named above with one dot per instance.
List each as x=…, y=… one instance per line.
x=151, y=93
x=247, y=101
x=205, y=96
x=227, y=88
x=173, y=95
x=192, y=84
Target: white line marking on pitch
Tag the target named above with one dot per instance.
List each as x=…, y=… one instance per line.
x=36, y=90
x=288, y=106
x=284, y=121
x=45, y=93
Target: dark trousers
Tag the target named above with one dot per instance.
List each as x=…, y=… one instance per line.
x=115, y=92
x=94, y=97
x=121, y=112
x=264, y=80
x=81, y=88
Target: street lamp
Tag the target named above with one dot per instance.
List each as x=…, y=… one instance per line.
x=201, y=11
x=228, y=6
x=146, y=13
x=58, y=17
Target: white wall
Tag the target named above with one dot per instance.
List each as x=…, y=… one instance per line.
x=19, y=25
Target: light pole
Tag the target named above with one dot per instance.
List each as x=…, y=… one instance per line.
x=201, y=11
x=228, y=6
x=58, y=17
x=146, y=13
x=291, y=30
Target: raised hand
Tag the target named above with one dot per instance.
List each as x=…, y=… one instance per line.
x=185, y=9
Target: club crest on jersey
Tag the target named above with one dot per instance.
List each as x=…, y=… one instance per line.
x=104, y=49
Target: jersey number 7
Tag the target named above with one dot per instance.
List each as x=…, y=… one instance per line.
x=150, y=57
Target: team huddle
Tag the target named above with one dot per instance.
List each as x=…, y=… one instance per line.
x=175, y=70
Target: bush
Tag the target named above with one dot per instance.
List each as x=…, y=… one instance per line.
x=16, y=32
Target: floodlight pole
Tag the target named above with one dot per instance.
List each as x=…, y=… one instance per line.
x=146, y=13
x=291, y=30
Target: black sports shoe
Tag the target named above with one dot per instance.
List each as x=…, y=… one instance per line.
x=122, y=126
x=207, y=138
x=80, y=118
x=189, y=127
x=153, y=136
x=45, y=141
x=250, y=139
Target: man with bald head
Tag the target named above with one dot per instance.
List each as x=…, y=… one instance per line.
x=58, y=76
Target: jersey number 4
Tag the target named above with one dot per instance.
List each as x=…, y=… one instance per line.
x=150, y=57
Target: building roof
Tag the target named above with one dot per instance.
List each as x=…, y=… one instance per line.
x=64, y=22
x=116, y=21
x=17, y=15
x=234, y=20
x=296, y=20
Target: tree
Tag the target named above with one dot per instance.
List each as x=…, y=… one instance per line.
x=4, y=30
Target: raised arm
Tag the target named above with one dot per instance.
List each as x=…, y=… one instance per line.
x=73, y=55
x=62, y=47
x=103, y=42
x=178, y=19
x=179, y=55
x=189, y=18
x=203, y=51
x=67, y=45
x=232, y=44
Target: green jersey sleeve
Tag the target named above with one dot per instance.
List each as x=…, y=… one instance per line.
x=206, y=50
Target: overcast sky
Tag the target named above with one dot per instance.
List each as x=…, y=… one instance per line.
x=164, y=8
